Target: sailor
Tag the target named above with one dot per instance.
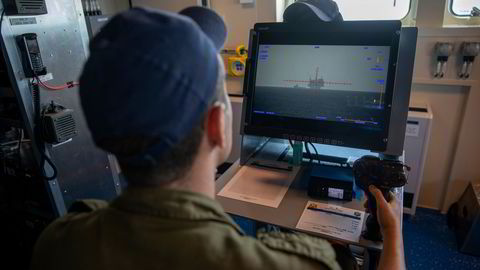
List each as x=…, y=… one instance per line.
x=153, y=94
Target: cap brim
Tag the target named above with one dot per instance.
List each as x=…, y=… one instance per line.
x=210, y=23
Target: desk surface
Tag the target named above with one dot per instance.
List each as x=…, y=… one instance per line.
x=291, y=208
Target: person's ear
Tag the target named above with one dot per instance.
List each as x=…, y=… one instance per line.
x=215, y=126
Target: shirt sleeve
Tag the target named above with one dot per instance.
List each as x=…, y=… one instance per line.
x=50, y=239
x=303, y=245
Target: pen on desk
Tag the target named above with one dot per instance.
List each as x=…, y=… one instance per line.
x=333, y=212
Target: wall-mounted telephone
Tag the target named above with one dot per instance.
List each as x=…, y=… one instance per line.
x=31, y=57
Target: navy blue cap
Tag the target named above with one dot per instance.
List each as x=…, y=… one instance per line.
x=151, y=74
x=210, y=23
x=308, y=11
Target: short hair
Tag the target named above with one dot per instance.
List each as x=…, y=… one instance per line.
x=170, y=166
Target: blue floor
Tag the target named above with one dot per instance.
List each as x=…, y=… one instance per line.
x=429, y=244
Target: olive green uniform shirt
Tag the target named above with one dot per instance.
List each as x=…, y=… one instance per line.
x=147, y=228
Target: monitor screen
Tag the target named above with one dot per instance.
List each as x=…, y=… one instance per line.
x=330, y=84
x=322, y=82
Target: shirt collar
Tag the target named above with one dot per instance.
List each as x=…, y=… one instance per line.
x=172, y=203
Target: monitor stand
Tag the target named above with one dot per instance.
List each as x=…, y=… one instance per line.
x=327, y=159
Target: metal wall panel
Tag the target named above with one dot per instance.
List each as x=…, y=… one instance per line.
x=83, y=170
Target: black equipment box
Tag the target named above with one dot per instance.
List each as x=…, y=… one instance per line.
x=468, y=229
x=332, y=182
x=59, y=126
x=24, y=7
x=95, y=23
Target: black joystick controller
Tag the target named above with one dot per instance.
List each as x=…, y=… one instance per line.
x=383, y=174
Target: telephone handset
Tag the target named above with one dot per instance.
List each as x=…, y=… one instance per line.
x=31, y=57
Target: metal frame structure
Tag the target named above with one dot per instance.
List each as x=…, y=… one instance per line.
x=84, y=171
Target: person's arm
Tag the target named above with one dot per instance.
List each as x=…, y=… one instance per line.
x=392, y=257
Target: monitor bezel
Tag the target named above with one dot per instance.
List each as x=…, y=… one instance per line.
x=367, y=33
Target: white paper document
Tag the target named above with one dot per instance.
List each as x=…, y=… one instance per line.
x=259, y=186
x=332, y=220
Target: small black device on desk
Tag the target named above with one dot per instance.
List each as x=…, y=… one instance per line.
x=331, y=182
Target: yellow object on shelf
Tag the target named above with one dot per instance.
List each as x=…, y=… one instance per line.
x=236, y=64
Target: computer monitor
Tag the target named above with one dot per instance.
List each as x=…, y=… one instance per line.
x=328, y=83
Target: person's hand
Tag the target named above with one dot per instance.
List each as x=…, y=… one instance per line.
x=386, y=212
x=393, y=251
